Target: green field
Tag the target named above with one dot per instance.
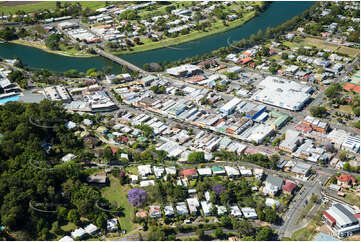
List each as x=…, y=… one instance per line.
x=31, y=7
x=117, y=193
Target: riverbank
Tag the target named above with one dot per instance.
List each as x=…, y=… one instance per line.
x=216, y=28
x=68, y=53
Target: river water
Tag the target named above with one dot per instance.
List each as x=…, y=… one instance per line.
x=276, y=14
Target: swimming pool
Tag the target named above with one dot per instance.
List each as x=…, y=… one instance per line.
x=8, y=99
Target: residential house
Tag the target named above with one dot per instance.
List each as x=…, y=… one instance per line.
x=273, y=184
x=345, y=180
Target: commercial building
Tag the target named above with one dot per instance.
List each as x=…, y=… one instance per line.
x=230, y=106
x=352, y=143
x=301, y=169
x=291, y=141
x=251, y=110
x=342, y=219
x=283, y=93
x=316, y=124
x=184, y=70
x=57, y=93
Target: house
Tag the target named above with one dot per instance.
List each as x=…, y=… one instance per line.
x=193, y=205
x=205, y=171
x=345, y=180
x=66, y=239
x=206, y=206
x=112, y=225
x=171, y=170
x=258, y=172
x=272, y=185
x=146, y=183
x=91, y=229
x=168, y=210
x=70, y=125
x=78, y=233
x=155, y=212
x=289, y=187
x=244, y=171
x=235, y=211
x=270, y=202
x=249, y=213
x=218, y=170
x=221, y=210
x=144, y=170
x=158, y=171
x=181, y=208
x=68, y=157
x=189, y=173
x=97, y=179
x=232, y=171
x=134, y=179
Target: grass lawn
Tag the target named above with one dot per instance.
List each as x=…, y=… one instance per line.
x=68, y=227
x=31, y=7
x=348, y=51
x=117, y=193
x=69, y=52
x=319, y=43
x=354, y=199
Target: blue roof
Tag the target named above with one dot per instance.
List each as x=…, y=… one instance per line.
x=325, y=237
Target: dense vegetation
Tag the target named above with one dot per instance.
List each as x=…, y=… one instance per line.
x=25, y=184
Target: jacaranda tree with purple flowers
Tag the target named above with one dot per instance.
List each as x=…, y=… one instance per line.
x=137, y=197
x=218, y=189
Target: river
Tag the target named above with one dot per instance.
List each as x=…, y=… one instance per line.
x=276, y=14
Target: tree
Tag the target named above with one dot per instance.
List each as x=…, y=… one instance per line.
x=102, y=221
x=265, y=234
x=218, y=233
x=52, y=42
x=73, y=216
x=270, y=215
x=218, y=189
x=284, y=56
x=343, y=155
x=232, y=75
x=200, y=234
x=332, y=90
x=317, y=111
x=137, y=197
x=8, y=34
x=55, y=228
x=196, y=157
x=347, y=166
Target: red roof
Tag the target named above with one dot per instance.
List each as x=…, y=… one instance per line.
x=357, y=215
x=289, y=186
x=245, y=60
x=271, y=52
x=329, y=217
x=346, y=178
x=188, y=172
x=114, y=150
x=352, y=87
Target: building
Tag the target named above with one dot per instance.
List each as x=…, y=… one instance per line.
x=144, y=170
x=112, y=225
x=97, y=179
x=258, y=173
x=218, y=170
x=184, y=70
x=342, y=219
x=316, y=124
x=189, y=173
x=205, y=171
x=147, y=183
x=289, y=187
x=259, y=133
x=66, y=239
x=352, y=143
x=221, y=210
x=155, y=212
x=249, y=213
x=57, y=93
x=280, y=119
x=301, y=169
x=291, y=142
x=283, y=93
x=168, y=210
x=345, y=180
x=158, y=171
x=232, y=171
x=270, y=202
x=193, y=205
x=78, y=233
x=235, y=211
x=206, y=207
x=272, y=185
x=91, y=229
x=251, y=110
x=230, y=106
